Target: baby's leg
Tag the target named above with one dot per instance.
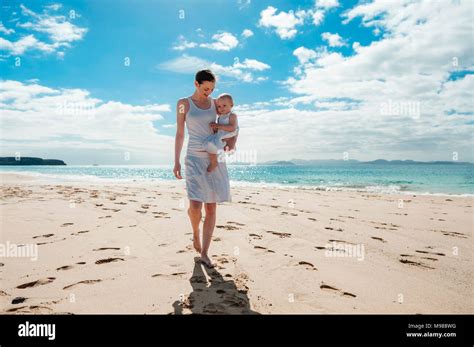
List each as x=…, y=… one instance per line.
x=211, y=149
x=213, y=164
x=230, y=143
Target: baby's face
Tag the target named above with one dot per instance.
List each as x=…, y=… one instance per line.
x=224, y=105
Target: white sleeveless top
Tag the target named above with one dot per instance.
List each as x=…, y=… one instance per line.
x=197, y=123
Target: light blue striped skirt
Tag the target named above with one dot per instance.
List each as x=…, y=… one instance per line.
x=202, y=185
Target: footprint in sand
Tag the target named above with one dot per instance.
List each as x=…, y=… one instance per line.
x=46, y=235
x=426, y=252
x=44, y=243
x=281, y=235
x=81, y=232
x=18, y=300
x=106, y=248
x=331, y=228
x=161, y=215
x=429, y=258
x=452, y=234
x=66, y=224
x=68, y=267
x=255, y=236
x=263, y=248
x=40, y=282
x=378, y=239
x=350, y=217
x=172, y=274
x=227, y=227
x=236, y=223
x=82, y=282
x=108, y=260
x=111, y=209
x=254, y=208
x=342, y=241
x=414, y=263
x=65, y=267
x=313, y=219
x=332, y=289
x=308, y=265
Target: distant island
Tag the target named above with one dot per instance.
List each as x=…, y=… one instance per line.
x=30, y=161
x=280, y=162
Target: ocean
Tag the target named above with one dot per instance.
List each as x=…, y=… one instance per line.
x=457, y=179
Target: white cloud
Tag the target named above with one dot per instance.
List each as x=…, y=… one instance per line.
x=5, y=30
x=240, y=71
x=243, y=3
x=60, y=31
x=252, y=64
x=35, y=118
x=54, y=7
x=26, y=43
x=284, y=23
x=318, y=17
x=57, y=28
x=304, y=54
x=334, y=40
x=247, y=33
x=326, y=4
x=183, y=44
x=222, y=42
x=320, y=8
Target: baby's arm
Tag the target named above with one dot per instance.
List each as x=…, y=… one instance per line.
x=231, y=126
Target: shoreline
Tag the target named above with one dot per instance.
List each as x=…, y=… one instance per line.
x=51, y=178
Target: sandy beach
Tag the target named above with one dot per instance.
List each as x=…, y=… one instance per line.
x=127, y=248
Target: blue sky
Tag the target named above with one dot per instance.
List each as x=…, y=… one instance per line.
x=311, y=79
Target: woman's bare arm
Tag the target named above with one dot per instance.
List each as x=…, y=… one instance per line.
x=179, y=139
x=231, y=126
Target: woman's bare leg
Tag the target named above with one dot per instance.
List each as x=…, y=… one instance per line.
x=194, y=213
x=208, y=229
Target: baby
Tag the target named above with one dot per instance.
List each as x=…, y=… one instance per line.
x=227, y=130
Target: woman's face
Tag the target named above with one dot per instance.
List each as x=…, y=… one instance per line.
x=205, y=88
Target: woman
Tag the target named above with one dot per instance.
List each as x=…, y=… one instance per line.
x=208, y=188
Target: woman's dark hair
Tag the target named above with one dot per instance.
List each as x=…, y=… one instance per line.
x=205, y=75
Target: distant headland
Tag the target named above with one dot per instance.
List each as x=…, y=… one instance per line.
x=29, y=161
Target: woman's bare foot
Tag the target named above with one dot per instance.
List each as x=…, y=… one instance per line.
x=206, y=261
x=211, y=166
